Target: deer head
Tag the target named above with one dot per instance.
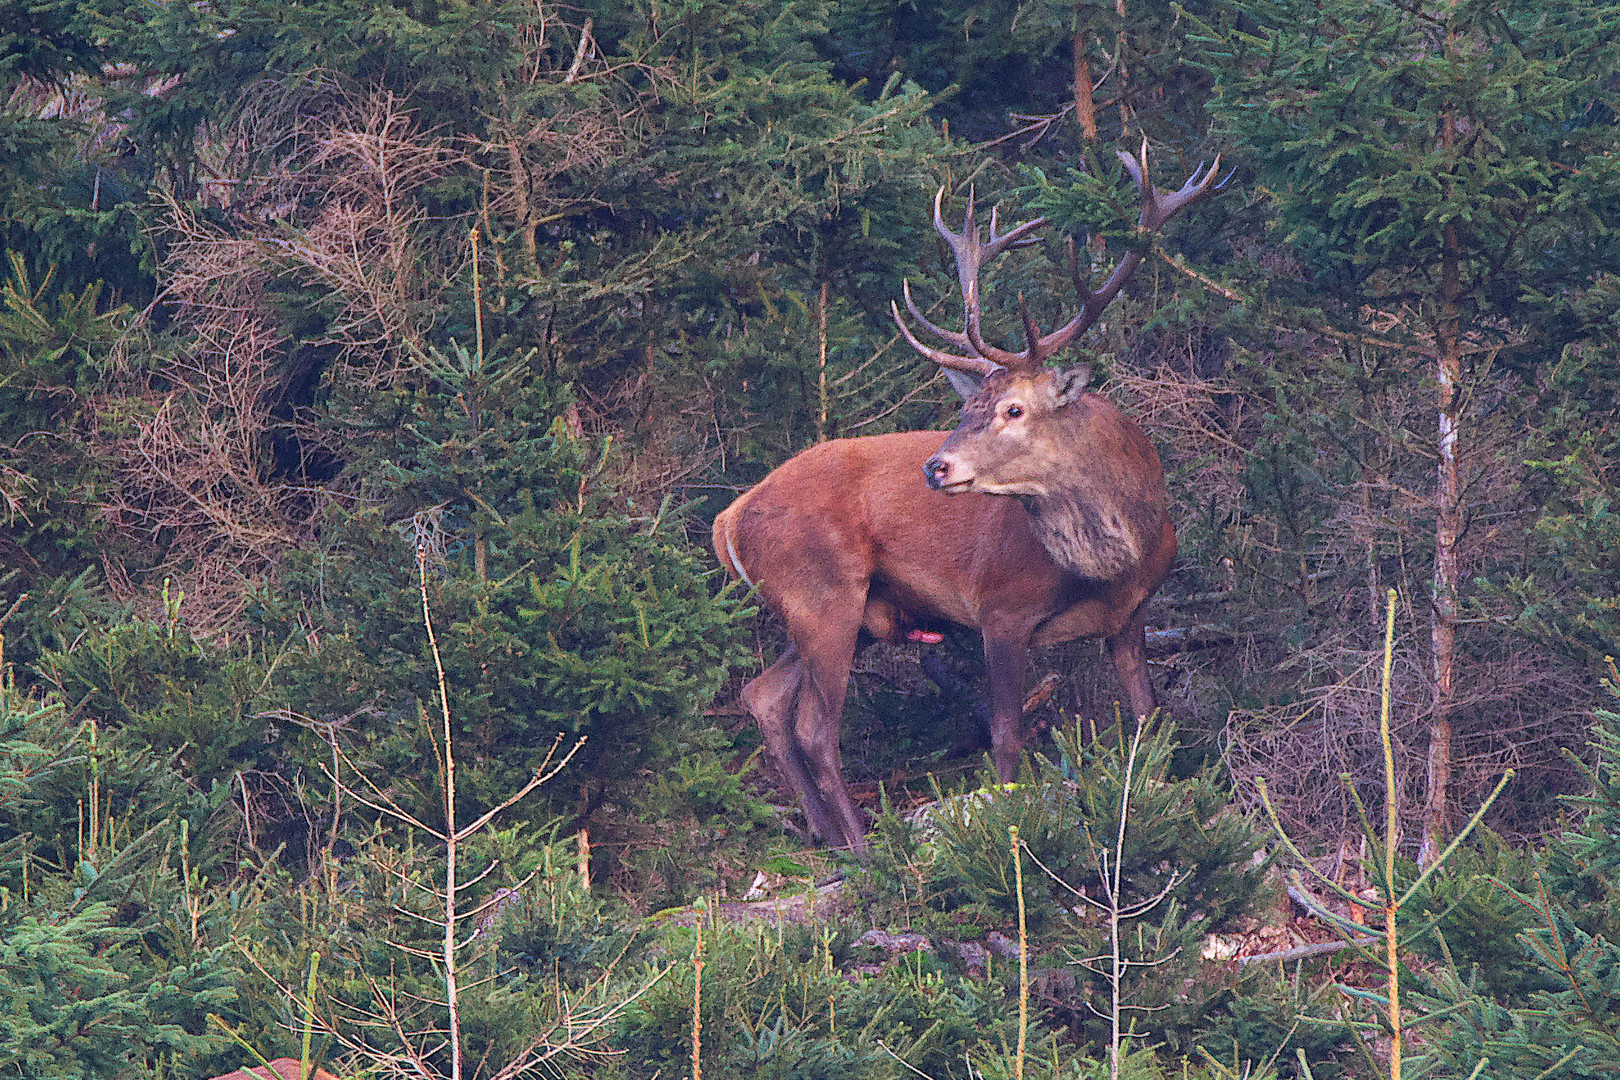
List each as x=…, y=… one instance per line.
x=1011, y=394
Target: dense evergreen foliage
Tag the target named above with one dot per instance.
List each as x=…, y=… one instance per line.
x=314, y=315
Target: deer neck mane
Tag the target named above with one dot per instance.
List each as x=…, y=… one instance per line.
x=1086, y=532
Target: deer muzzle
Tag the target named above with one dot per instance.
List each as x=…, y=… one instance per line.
x=943, y=476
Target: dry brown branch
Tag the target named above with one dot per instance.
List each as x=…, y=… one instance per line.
x=14, y=489
x=1512, y=710
x=325, y=193
x=1373, y=459
x=190, y=438
x=335, y=202
x=1196, y=420
x=337, y=209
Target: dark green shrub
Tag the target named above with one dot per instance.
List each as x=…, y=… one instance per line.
x=1477, y=921
x=540, y=961
x=1181, y=843
x=781, y=1002
x=1270, y=1018
x=696, y=828
x=182, y=696
x=1567, y=1028
x=53, y=345
x=107, y=960
x=561, y=609
x=1583, y=864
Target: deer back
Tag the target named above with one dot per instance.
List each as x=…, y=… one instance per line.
x=858, y=509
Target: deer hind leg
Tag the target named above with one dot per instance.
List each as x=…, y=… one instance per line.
x=799, y=703
x=773, y=700
x=1128, y=648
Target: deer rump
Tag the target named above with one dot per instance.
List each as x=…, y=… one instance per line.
x=846, y=537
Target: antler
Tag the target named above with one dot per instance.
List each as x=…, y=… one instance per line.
x=1158, y=207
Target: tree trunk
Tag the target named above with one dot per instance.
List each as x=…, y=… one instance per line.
x=1085, y=107
x=1447, y=528
x=1122, y=76
x=821, y=366
x=1448, y=524
x=522, y=189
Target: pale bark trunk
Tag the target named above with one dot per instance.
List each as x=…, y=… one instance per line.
x=821, y=366
x=1085, y=107
x=1448, y=527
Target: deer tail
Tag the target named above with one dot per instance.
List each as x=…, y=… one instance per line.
x=729, y=555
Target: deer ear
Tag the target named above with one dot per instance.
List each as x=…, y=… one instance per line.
x=965, y=383
x=1069, y=384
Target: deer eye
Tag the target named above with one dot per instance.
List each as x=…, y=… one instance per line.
x=1014, y=412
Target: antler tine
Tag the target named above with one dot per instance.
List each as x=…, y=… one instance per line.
x=1080, y=286
x=1032, y=335
x=1016, y=237
x=1159, y=207
x=973, y=365
x=972, y=252
x=967, y=242
x=955, y=337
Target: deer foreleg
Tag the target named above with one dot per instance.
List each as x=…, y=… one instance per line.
x=1005, y=655
x=1128, y=648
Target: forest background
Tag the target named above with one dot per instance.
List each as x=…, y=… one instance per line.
x=314, y=313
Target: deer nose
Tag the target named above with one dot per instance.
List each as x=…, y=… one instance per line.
x=937, y=470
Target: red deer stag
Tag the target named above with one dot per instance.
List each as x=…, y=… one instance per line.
x=846, y=537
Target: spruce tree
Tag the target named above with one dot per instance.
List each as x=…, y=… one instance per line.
x=1451, y=161
x=100, y=841
x=567, y=610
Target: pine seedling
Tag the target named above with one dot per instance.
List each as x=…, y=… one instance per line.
x=383, y=1030
x=1381, y=950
